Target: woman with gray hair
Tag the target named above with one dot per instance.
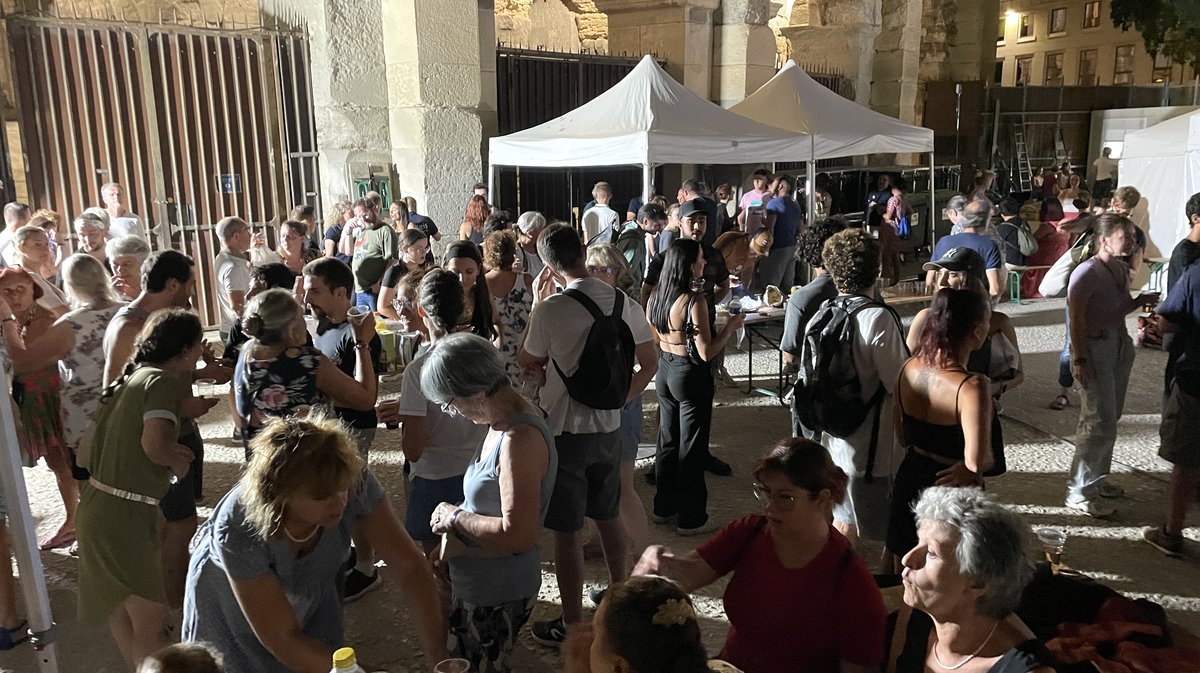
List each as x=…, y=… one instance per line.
x=494, y=572
x=125, y=256
x=963, y=582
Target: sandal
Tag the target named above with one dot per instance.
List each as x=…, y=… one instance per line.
x=62, y=538
x=1061, y=402
x=7, y=642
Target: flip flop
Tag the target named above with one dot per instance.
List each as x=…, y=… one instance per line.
x=58, y=540
x=1061, y=402
x=6, y=636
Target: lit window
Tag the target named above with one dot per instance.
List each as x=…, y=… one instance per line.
x=1123, y=68
x=1054, y=69
x=1024, y=67
x=1163, y=65
x=1087, y=67
x=1091, y=14
x=1026, y=24
x=1058, y=21
x=1003, y=25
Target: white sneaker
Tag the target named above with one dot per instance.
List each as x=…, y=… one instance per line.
x=1093, y=508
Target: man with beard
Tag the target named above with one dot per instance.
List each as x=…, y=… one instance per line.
x=328, y=289
x=168, y=280
x=636, y=239
x=92, y=231
x=373, y=248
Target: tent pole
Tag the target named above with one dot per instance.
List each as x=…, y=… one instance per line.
x=23, y=538
x=934, y=215
x=647, y=183
x=491, y=179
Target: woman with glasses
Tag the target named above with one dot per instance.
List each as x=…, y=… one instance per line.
x=496, y=576
x=784, y=562
x=512, y=295
x=414, y=256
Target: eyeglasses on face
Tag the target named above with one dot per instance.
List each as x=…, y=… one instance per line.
x=448, y=407
x=601, y=270
x=785, y=503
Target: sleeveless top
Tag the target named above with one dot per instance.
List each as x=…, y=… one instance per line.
x=947, y=441
x=1025, y=657
x=282, y=386
x=489, y=579
x=514, y=309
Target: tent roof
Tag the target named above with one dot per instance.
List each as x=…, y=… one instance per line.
x=647, y=117
x=794, y=101
x=1174, y=137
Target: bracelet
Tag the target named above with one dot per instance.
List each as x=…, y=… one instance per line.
x=454, y=517
x=9, y=318
x=361, y=345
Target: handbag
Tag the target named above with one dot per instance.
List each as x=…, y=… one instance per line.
x=1054, y=283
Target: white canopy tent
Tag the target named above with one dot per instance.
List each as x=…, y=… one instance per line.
x=1163, y=162
x=646, y=119
x=795, y=102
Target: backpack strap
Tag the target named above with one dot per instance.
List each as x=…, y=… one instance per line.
x=594, y=310
x=852, y=307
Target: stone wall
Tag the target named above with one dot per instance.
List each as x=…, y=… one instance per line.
x=554, y=25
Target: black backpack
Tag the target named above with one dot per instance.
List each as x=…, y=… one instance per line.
x=828, y=393
x=605, y=369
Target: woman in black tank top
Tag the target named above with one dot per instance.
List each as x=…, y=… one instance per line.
x=945, y=411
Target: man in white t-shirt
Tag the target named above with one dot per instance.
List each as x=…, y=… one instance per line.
x=601, y=224
x=233, y=271
x=587, y=439
x=16, y=215
x=1106, y=175
x=121, y=220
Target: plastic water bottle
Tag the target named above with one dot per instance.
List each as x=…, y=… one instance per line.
x=344, y=661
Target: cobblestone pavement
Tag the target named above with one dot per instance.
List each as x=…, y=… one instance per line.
x=1038, y=449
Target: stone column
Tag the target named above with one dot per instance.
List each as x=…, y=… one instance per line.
x=743, y=50
x=840, y=34
x=680, y=31
x=898, y=60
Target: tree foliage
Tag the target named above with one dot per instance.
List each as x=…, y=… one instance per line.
x=1170, y=27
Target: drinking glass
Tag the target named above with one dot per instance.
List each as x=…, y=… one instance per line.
x=204, y=388
x=452, y=666
x=357, y=314
x=1053, y=540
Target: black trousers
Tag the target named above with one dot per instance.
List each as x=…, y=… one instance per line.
x=685, y=399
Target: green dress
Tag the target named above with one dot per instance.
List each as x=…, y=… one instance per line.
x=119, y=552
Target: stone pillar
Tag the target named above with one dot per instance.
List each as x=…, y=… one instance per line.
x=898, y=60
x=487, y=73
x=680, y=31
x=840, y=34
x=743, y=50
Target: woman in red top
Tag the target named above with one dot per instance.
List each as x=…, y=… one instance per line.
x=800, y=598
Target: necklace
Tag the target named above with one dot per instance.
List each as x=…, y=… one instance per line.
x=962, y=663
x=306, y=538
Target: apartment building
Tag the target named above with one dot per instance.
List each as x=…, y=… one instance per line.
x=1074, y=43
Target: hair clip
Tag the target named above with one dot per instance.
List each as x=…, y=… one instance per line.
x=674, y=612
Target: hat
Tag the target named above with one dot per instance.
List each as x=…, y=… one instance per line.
x=530, y=221
x=960, y=259
x=651, y=211
x=691, y=208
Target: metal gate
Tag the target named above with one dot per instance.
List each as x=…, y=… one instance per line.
x=197, y=118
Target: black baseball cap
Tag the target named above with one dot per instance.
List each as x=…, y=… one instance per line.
x=962, y=260
x=651, y=211
x=691, y=208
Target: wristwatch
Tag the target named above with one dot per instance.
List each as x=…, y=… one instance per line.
x=454, y=517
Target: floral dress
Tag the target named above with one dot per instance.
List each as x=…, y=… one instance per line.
x=82, y=370
x=514, y=309
x=282, y=386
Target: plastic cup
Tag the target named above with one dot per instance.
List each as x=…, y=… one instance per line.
x=357, y=314
x=452, y=666
x=1053, y=541
x=204, y=387
x=735, y=307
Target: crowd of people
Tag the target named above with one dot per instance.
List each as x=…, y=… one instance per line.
x=522, y=410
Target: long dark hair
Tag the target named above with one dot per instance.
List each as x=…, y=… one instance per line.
x=441, y=297
x=953, y=316
x=651, y=623
x=481, y=306
x=675, y=280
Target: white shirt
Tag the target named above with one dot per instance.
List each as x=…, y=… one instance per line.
x=233, y=275
x=450, y=441
x=533, y=263
x=558, y=329
x=128, y=224
x=879, y=354
x=8, y=249
x=1105, y=168
x=599, y=218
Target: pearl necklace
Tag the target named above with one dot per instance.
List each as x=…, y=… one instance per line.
x=306, y=538
x=962, y=663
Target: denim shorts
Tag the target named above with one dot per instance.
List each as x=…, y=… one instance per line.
x=1179, y=429
x=631, y=429
x=424, y=495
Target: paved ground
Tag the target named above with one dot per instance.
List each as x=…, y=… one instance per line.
x=1039, y=451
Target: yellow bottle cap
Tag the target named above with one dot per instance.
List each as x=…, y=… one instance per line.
x=344, y=658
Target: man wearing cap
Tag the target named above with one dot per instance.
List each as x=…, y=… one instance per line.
x=634, y=244
x=959, y=265
x=974, y=220
x=694, y=191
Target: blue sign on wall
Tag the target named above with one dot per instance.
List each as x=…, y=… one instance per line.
x=229, y=183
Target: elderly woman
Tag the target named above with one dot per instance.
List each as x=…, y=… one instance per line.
x=945, y=411
x=262, y=587
x=644, y=625
x=788, y=556
x=279, y=374
x=1102, y=357
x=81, y=370
x=438, y=445
x=963, y=580
x=125, y=256
x=91, y=232
x=511, y=293
x=133, y=456
x=495, y=574
x=35, y=344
